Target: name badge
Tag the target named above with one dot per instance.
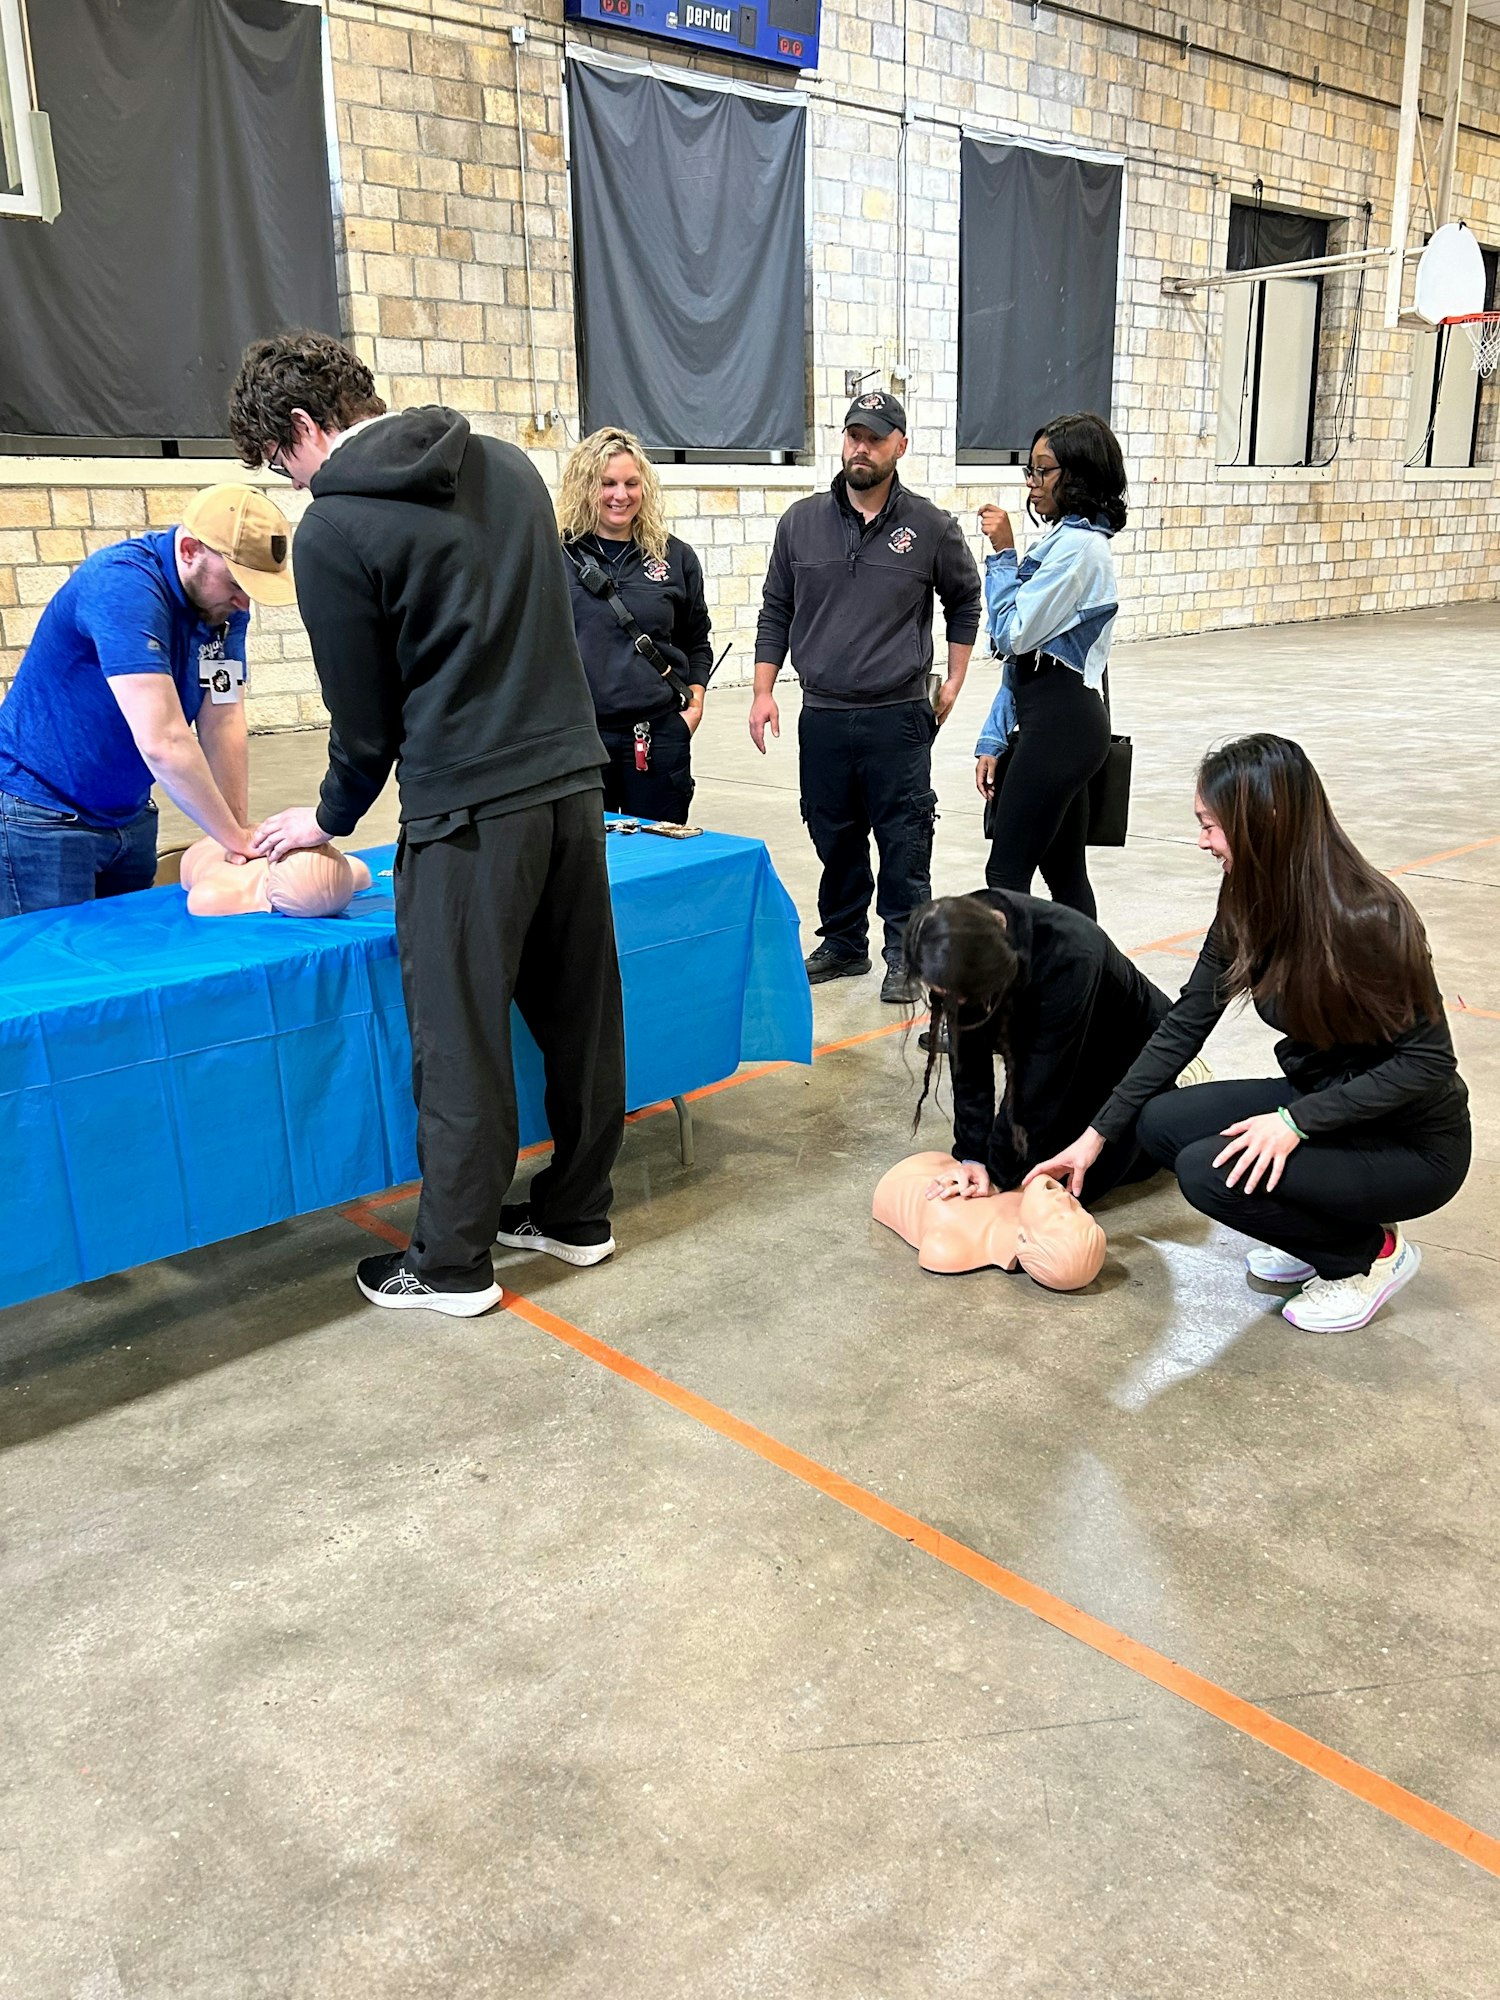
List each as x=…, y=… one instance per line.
x=213, y=662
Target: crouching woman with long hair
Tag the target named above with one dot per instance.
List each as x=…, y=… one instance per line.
x=1368, y=1125
x=1042, y=990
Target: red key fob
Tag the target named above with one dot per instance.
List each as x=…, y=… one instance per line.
x=643, y=746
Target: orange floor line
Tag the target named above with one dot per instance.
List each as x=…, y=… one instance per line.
x=1448, y=854
x=1463, y=1007
x=1166, y=943
x=1259, y=1724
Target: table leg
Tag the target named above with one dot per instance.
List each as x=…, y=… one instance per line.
x=684, y=1129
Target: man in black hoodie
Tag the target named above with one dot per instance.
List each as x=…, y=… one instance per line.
x=432, y=587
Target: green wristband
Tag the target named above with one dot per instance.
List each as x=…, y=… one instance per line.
x=1291, y=1121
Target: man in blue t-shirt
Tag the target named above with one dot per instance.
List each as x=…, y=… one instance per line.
x=143, y=644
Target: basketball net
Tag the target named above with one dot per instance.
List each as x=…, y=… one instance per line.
x=1483, y=330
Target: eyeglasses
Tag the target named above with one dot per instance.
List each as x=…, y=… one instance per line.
x=1035, y=474
x=275, y=464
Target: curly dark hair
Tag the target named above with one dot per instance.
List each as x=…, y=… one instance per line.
x=297, y=371
x=1093, y=467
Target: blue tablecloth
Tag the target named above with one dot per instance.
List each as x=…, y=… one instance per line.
x=167, y=1081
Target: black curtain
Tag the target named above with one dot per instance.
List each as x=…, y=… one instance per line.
x=1039, y=237
x=196, y=214
x=689, y=262
x=1272, y=236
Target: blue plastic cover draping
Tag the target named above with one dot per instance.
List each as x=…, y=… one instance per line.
x=167, y=1081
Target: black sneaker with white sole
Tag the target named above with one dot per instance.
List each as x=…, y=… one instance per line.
x=517, y=1231
x=390, y=1281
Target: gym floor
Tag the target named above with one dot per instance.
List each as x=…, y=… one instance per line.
x=711, y=1622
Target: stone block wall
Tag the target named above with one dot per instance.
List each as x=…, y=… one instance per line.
x=438, y=112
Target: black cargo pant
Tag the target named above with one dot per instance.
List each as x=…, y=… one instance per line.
x=864, y=771
x=514, y=907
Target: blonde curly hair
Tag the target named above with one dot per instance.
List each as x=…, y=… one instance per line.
x=583, y=481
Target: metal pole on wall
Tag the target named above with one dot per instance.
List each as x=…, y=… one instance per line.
x=1458, y=27
x=1406, y=148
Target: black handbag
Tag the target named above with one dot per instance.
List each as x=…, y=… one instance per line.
x=1109, y=789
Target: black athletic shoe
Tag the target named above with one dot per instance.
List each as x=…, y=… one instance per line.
x=518, y=1232
x=828, y=962
x=389, y=1281
x=900, y=987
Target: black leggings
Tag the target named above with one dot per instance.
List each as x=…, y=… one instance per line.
x=1042, y=810
x=1335, y=1196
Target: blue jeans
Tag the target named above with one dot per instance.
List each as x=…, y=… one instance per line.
x=49, y=859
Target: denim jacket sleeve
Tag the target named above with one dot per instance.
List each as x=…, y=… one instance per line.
x=994, y=738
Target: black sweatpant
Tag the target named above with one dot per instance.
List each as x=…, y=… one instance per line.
x=864, y=771
x=514, y=907
x=1336, y=1195
x=664, y=790
x=1042, y=811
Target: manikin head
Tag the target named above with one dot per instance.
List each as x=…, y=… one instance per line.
x=1058, y=1242
x=312, y=882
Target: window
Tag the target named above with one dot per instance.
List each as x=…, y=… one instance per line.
x=1271, y=329
x=689, y=263
x=1446, y=388
x=1039, y=236
x=198, y=215
x=28, y=182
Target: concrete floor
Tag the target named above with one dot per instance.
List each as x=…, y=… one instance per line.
x=359, y=1655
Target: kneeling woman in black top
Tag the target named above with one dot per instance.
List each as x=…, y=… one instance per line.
x=1042, y=988
x=1368, y=1124
x=615, y=538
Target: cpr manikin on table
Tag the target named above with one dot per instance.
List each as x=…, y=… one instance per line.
x=312, y=882
x=1042, y=1228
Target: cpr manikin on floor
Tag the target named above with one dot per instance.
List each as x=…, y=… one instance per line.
x=313, y=882
x=1041, y=1228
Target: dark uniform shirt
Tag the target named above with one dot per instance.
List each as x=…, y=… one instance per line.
x=854, y=602
x=665, y=598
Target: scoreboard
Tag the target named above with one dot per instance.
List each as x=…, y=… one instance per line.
x=772, y=31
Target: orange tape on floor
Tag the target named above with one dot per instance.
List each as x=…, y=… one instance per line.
x=1257, y=1723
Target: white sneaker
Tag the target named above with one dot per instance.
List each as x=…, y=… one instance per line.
x=1342, y=1305
x=1275, y=1267
x=1197, y=1071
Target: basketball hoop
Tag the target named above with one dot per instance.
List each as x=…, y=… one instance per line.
x=1483, y=330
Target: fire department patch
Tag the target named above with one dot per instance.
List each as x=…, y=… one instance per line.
x=656, y=569
x=902, y=541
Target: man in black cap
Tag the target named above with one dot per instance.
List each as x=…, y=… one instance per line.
x=850, y=592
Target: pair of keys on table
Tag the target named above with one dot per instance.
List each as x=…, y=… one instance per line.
x=665, y=827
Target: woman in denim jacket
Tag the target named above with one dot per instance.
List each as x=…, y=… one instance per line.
x=1051, y=616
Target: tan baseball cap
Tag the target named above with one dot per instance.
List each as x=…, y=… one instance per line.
x=252, y=535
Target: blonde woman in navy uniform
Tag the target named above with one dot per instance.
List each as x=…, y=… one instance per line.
x=621, y=558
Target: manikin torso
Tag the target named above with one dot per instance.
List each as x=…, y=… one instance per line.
x=1042, y=1228
x=314, y=882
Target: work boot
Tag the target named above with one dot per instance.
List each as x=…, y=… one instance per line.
x=829, y=962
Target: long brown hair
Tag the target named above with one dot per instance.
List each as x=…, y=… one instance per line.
x=1312, y=925
x=960, y=950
